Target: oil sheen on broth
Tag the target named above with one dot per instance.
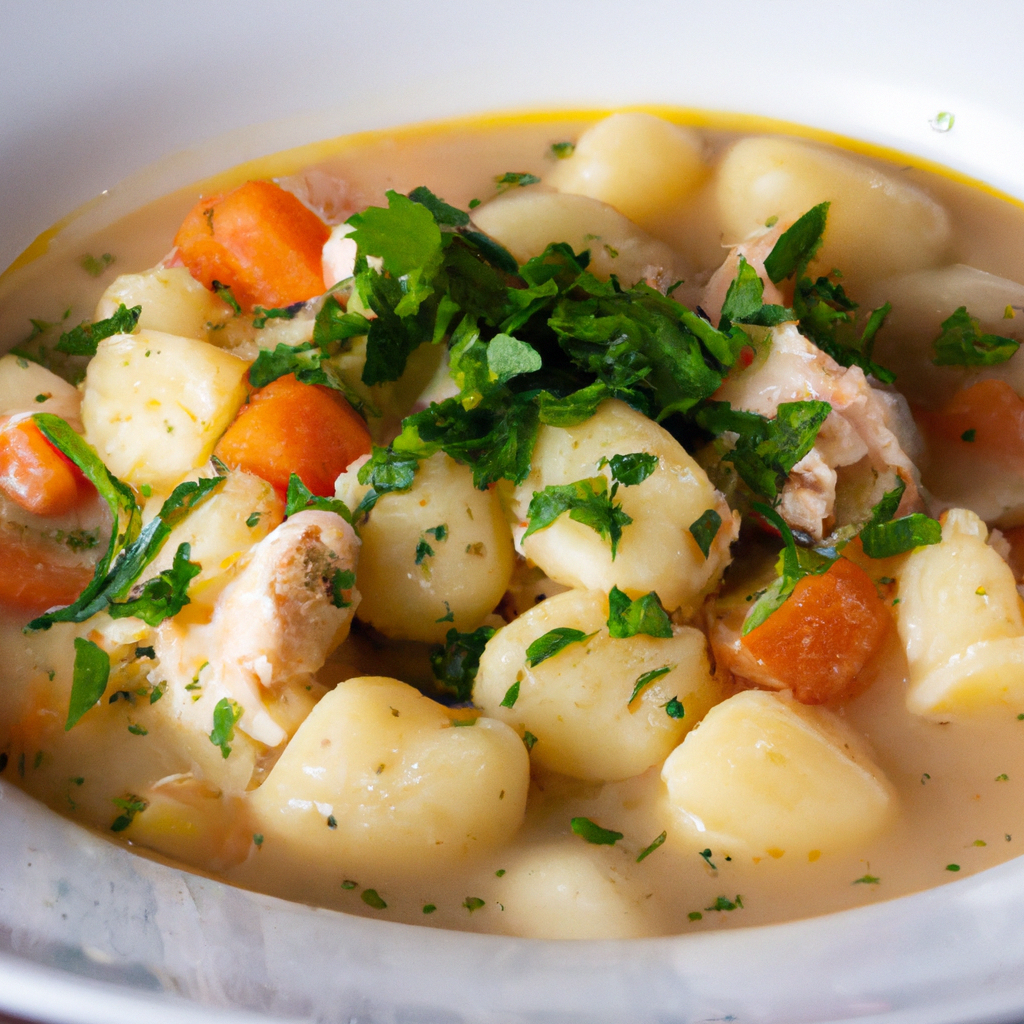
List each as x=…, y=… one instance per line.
x=231, y=738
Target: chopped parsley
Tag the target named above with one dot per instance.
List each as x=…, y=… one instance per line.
x=675, y=709
x=883, y=536
x=646, y=614
x=89, y=679
x=705, y=529
x=724, y=903
x=257, y=838
x=866, y=880
x=225, y=717
x=372, y=899
x=562, y=150
x=511, y=696
x=332, y=821
x=529, y=740
x=969, y=435
x=594, y=833
x=83, y=339
x=646, y=679
x=631, y=469
x=300, y=497
x=429, y=908
x=706, y=857
x=472, y=903
x=260, y=316
x=961, y=343
x=94, y=266
x=952, y=867
x=648, y=850
x=349, y=884
x=553, y=642
x=766, y=450
x=455, y=665
x=253, y=519
x=587, y=501
x=130, y=805
x=515, y=179
x=225, y=294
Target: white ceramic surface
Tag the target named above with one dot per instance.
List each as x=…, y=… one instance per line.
x=94, y=92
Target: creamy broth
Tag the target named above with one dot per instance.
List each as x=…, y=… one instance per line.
x=957, y=783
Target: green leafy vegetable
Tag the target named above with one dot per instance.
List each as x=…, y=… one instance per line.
x=766, y=449
x=561, y=150
x=646, y=678
x=260, y=316
x=423, y=550
x=587, y=501
x=300, y=497
x=163, y=596
x=961, y=343
x=648, y=850
x=511, y=696
x=88, y=680
x=341, y=580
x=507, y=357
x=225, y=717
x=529, y=740
x=744, y=301
x=83, y=339
x=797, y=245
x=724, y=903
x=515, y=179
x=883, y=535
x=372, y=899
x=385, y=471
x=674, y=708
x=132, y=550
x=225, y=294
x=627, y=618
x=632, y=469
x=594, y=833
x=705, y=529
x=472, y=903
x=455, y=665
x=794, y=565
x=130, y=806
x=94, y=267
x=552, y=642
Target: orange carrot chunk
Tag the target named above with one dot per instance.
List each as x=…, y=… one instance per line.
x=824, y=635
x=288, y=427
x=30, y=582
x=986, y=419
x=259, y=241
x=34, y=474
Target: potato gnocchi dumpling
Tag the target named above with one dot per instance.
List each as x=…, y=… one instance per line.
x=962, y=625
x=657, y=551
x=381, y=779
x=762, y=774
x=878, y=225
x=642, y=165
x=577, y=704
x=433, y=558
x=155, y=404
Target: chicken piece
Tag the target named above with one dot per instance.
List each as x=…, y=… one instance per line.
x=860, y=447
x=271, y=629
x=754, y=249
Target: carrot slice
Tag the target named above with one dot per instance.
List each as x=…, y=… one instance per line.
x=824, y=635
x=986, y=419
x=289, y=427
x=30, y=581
x=260, y=241
x=35, y=474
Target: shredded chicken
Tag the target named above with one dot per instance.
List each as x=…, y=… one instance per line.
x=863, y=443
x=273, y=626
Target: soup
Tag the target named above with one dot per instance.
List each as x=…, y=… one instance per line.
x=529, y=533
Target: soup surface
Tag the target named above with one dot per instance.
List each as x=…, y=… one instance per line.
x=380, y=552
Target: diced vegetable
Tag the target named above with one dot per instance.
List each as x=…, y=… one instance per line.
x=34, y=474
x=986, y=419
x=823, y=635
x=31, y=581
x=259, y=241
x=289, y=427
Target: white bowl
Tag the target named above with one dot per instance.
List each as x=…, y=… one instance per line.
x=93, y=93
